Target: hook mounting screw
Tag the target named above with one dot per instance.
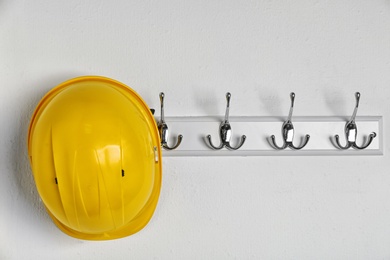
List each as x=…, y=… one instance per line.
x=163, y=128
x=288, y=131
x=225, y=131
x=350, y=131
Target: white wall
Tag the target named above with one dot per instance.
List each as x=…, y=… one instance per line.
x=196, y=51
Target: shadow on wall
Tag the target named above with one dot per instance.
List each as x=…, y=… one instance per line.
x=206, y=100
x=336, y=103
x=23, y=178
x=272, y=103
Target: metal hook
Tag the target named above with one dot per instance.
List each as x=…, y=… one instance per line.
x=225, y=131
x=163, y=128
x=288, y=131
x=350, y=131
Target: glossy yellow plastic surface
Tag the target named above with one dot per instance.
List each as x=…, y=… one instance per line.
x=95, y=154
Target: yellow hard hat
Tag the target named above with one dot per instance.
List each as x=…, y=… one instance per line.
x=95, y=154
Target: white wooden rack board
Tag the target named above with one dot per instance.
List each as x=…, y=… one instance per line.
x=259, y=129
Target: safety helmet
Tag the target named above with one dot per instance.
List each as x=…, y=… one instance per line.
x=95, y=155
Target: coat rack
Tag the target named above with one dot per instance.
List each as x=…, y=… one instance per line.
x=196, y=134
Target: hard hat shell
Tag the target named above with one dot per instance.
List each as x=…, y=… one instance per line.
x=95, y=155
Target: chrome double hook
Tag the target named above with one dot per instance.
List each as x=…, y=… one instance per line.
x=350, y=131
x=163, y=128
x=225, y=131
x=288, y=131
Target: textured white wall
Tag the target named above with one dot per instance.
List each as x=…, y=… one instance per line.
x=196, y=51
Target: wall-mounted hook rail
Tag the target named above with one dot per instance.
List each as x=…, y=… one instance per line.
x=225, y=131
x=163, y=128
x=288, y=131
x=321, y=130
x=350, y=131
